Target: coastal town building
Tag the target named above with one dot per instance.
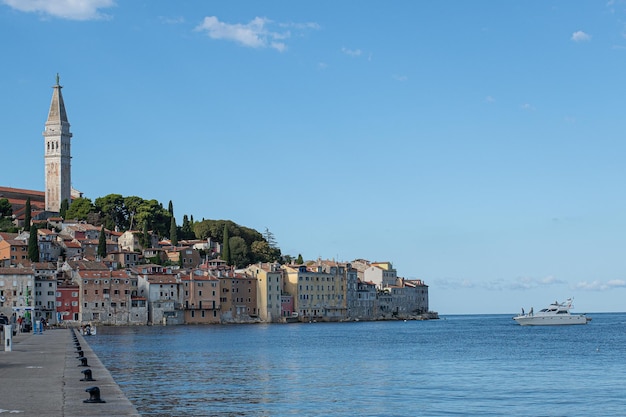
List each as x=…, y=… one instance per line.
x=269, y=290
x=49, y=249
x=238, y=296
x=123, y=259
x=161, y=288
x=185, y=257
x=364, y=301
x=67, y=302
x=106, y=297
x=45, y=290
x=201, y=297
x=144, y=279
x=17, y=291
x=318, y=295
x=13, y=251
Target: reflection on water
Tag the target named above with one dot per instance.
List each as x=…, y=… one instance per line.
x=463, y=365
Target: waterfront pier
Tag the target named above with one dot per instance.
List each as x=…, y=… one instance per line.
x=41, y=377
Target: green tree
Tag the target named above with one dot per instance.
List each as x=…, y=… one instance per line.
x=33, y=245
x=102, y=244
x=80, y=209
x=6, y=209
x=170, y=208
x=238, y=251
x=27, y=214
x=262, y=252
x=64, y=206
x=152, y=212
x=299, y=260
x=6, y=225
x=226, y=246
x=113, y=211
x=132, y=204
x=186, y=231
x=173, y=232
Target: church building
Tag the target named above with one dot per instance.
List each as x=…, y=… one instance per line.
x=57, y=153
x=57, y=162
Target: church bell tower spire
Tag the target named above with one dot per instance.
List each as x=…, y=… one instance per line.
x=57, y=154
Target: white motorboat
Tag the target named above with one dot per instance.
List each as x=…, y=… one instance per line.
x=556, y=314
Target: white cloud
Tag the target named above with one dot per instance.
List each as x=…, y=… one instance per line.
x=322, y=65
x=64, y=9
x=255, y=34
x=600, y=285
x=527, y=107
x=400, y=77
x=580, y=36
x=490, y=99
x=351, y=52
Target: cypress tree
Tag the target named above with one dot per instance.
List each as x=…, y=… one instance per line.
x=173, y=232
x=27, y=214
x=299, y=261
x=102, y=244
x=64, y=206
x=186, y=228
x=170, y=208
x=33, y=245
x=226, y=247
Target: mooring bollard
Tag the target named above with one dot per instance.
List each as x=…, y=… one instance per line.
x=94, y=395
x=81, y=354
x=8, y=337
x=83, y=362
x=87, y=377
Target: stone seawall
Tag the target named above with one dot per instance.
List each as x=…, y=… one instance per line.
x=42, y=375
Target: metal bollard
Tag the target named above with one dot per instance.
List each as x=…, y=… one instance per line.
x=87, y=377
x=83, y=362
x=94, y=395
x=8, y=337
x=81, y=354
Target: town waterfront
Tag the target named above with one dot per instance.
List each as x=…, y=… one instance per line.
x=459, y=365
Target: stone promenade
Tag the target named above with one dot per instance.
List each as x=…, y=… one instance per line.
x=42, y=375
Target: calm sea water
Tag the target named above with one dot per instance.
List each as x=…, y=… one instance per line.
x=483, y=365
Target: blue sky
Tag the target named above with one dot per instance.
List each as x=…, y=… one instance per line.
x=477, y=145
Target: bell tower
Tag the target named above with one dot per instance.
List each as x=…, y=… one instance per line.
x=57, y=153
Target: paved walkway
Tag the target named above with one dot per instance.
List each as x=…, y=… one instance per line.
x=41, y=377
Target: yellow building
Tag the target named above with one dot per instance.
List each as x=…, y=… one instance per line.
x=269, y=290
x=318, y=290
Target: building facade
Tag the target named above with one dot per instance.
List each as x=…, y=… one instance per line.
x=269, y=290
